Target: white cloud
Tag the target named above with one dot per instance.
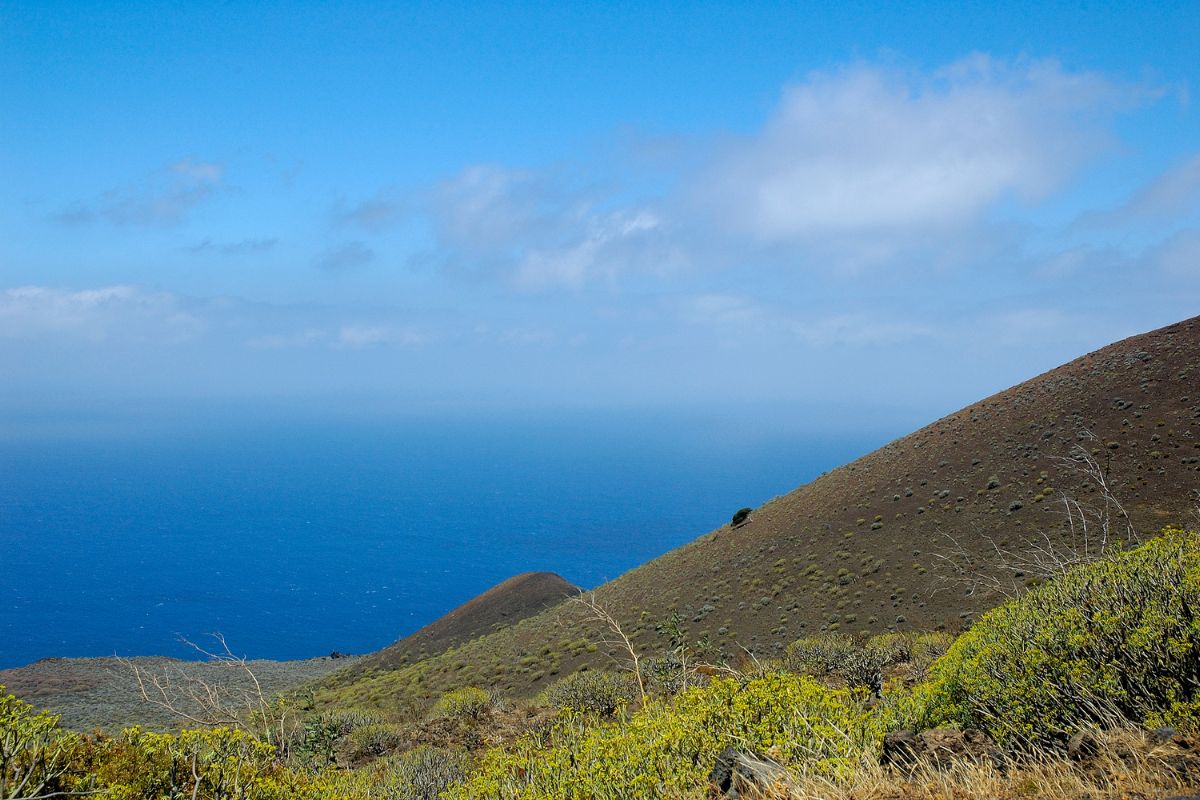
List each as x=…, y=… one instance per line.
x=112, y=312
x=355, y=337
x=487, y=210
x=541, y=234
x=871, y=149
x=163, y=198
x=605, y=245
x=855, y=168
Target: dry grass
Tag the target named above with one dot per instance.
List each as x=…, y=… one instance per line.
x=1130, y=764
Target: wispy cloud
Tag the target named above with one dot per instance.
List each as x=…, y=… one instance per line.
x=355, y=337
x=1173, y=193
x=288, y=341
x=239, y=248
x=163, y=198
x=111, y=312
x=539, y=232
x=374, y=214
x=1178, y=257
x=749, y=320
x=346, y=256
x=352, y=336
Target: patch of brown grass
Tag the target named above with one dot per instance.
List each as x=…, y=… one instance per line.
x=1129, y=765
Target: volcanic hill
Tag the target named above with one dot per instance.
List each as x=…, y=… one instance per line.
x=861, y=548
x=505, y=603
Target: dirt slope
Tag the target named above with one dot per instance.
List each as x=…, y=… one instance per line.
x=505, y=603
x=857, y=549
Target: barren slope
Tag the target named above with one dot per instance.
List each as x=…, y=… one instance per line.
x=856, y=549
x=505, y=603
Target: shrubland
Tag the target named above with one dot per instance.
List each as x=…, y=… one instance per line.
x=1109, y=649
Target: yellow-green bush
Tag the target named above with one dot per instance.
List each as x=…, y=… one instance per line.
x=670, y=745
x=466, y=703
x=1119, y=637
x=35, y=754
x=594, y=692
x=210, y=763
x=422, y=773
x=374, y=740
x=820, y=655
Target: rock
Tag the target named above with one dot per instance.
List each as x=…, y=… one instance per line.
x=1162, y=735
x=737, y=774
x=1084, y=746
x=901, y=749
x=939, y=748
x=1181, y=755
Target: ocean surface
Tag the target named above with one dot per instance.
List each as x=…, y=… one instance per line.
x=296, y=537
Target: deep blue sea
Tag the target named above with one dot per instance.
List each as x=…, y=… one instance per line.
x=298, y=536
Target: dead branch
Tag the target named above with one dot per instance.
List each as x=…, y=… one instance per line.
x=615, y=636
x=229, y=702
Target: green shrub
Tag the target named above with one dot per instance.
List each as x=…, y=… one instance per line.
x=668, y=748
x=35, y=754
x=467, y=703
x=213, y=763
x=425, y=772
x=374, y=740
x=819, y=656
x=342, y=723
x=1120, y=637
x=593, y=692
x=927, y=648
x=422, y=773
x=740, y=516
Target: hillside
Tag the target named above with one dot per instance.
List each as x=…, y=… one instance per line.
x=103, y=693
x=857, y=549
x=505, y=603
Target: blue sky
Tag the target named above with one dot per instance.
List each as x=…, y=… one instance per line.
x=841, y=211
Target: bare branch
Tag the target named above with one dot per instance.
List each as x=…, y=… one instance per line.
x=235, y=700
x=616, y=635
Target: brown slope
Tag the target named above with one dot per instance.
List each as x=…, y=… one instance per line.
x=857, y=549
x=505, y=603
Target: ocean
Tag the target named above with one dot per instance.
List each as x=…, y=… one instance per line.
x=298, y=536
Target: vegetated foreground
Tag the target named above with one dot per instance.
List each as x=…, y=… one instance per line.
x=885, y=542
x=1086, y=686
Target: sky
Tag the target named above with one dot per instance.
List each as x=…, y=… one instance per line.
x=838, y=211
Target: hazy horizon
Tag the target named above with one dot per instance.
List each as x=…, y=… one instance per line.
x=838, y=209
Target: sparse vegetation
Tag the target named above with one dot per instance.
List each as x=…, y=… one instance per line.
x=1103, y=647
